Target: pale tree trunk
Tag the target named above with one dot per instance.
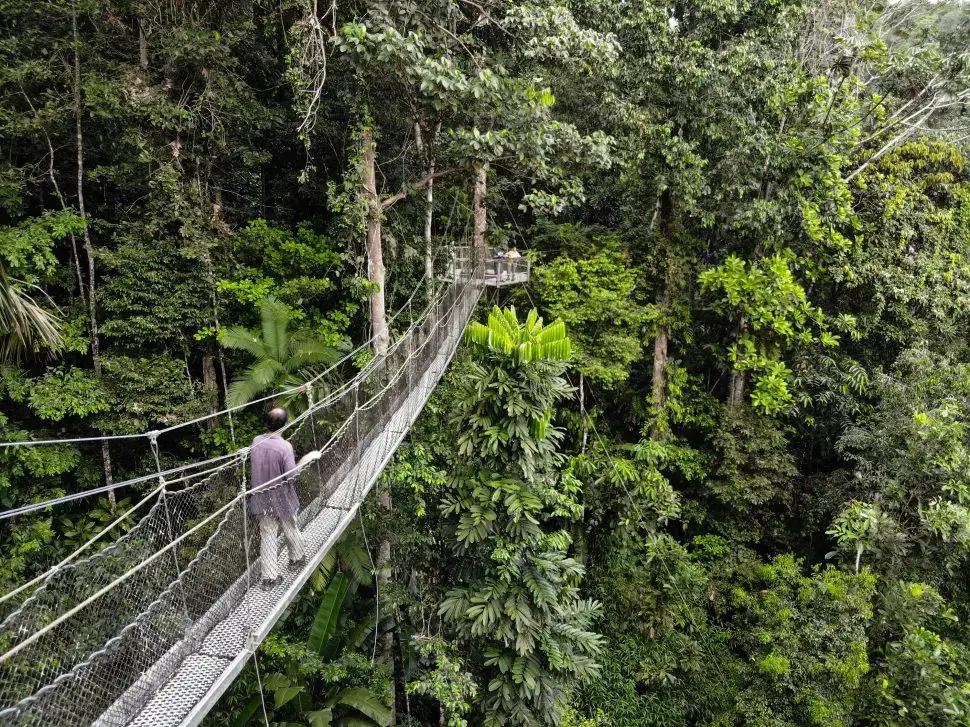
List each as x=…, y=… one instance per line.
x=737, y=380
x=375, y=272
x=426, y=148
x=88, y=246
x=210, y=383
x=375, y=255
x=142, y=45
x=582, y=409
x=219, y=227
x=661, y=340
x=478, y=210
x=428, y=223
x=735, y=389
x=661, y=343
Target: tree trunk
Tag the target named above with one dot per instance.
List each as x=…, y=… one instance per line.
x=737, y=381
x=375, y=272
x=736, y=387
x=383, y=578
x=428, y=221
x=582, y=409
x=426, y=148
x=659, y=390
x=661, y=341
x=142, y=46
x=375, y=255
x=219, y=227
x=478, y=210
x=88, y=246
x=210, y=383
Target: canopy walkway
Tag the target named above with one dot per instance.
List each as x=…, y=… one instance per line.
x=152, y=629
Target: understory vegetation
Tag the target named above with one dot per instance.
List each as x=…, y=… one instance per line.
x=709, y=466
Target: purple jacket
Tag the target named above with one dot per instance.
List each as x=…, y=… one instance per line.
x=270, y=457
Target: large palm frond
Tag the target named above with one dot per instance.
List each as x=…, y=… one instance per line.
x=24, y=325
x=305, y=351
x=275, y=320
x=281, y=355
x=525, y=342
x=243, y=339
x=242, y=391
x=261, y=376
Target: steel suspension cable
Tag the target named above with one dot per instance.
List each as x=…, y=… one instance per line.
x=34, y=507
x=445, y=316
x=228, y=410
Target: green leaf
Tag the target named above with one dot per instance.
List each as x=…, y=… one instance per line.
x=320, y=717
x=354, y=721
x=248, y=712
x=286, y=694
x=325, y=621
x=364, y=701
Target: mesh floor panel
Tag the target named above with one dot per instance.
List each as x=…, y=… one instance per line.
x=260, y=609
x=152, y=629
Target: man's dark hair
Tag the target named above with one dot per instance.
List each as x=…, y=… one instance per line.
x=276, y=418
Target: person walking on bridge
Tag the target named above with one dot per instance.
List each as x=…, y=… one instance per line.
x=274, y=470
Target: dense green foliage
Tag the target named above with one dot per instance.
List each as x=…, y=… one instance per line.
x=718, y=473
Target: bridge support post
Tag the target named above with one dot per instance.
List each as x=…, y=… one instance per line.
x=244, y=514
x=316, y=447
x=357, y=449
x=411, y=363
x=163, y=496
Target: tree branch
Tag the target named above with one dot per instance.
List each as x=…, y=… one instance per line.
x=420, y=184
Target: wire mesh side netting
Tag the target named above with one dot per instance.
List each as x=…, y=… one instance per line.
x=99, y=637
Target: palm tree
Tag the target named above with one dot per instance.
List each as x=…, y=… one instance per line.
x=284, y=358
x=24, y=325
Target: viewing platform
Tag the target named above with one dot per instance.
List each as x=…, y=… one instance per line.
x=500, y=270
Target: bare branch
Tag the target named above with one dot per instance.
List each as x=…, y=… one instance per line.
x=420, y=184
x=889, y=146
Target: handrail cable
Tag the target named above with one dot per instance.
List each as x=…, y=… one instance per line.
x=173, y=543
x=244, y=451
x=33, y=507
x=228, y=410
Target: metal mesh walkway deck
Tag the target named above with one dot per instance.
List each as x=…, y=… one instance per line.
x=205, y=675
x=153, y=629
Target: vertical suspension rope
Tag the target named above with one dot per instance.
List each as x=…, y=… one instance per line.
x=249, y=582
x=357, y=438
x=316, y=444
x=153, y=439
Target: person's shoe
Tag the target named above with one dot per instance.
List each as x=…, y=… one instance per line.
x=269, y=585
x=298, y=564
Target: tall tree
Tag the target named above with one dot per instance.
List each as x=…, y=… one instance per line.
x=519, y=605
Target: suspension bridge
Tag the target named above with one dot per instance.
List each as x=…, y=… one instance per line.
x=153, y=628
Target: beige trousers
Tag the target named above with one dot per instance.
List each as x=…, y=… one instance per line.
x=269, y=544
